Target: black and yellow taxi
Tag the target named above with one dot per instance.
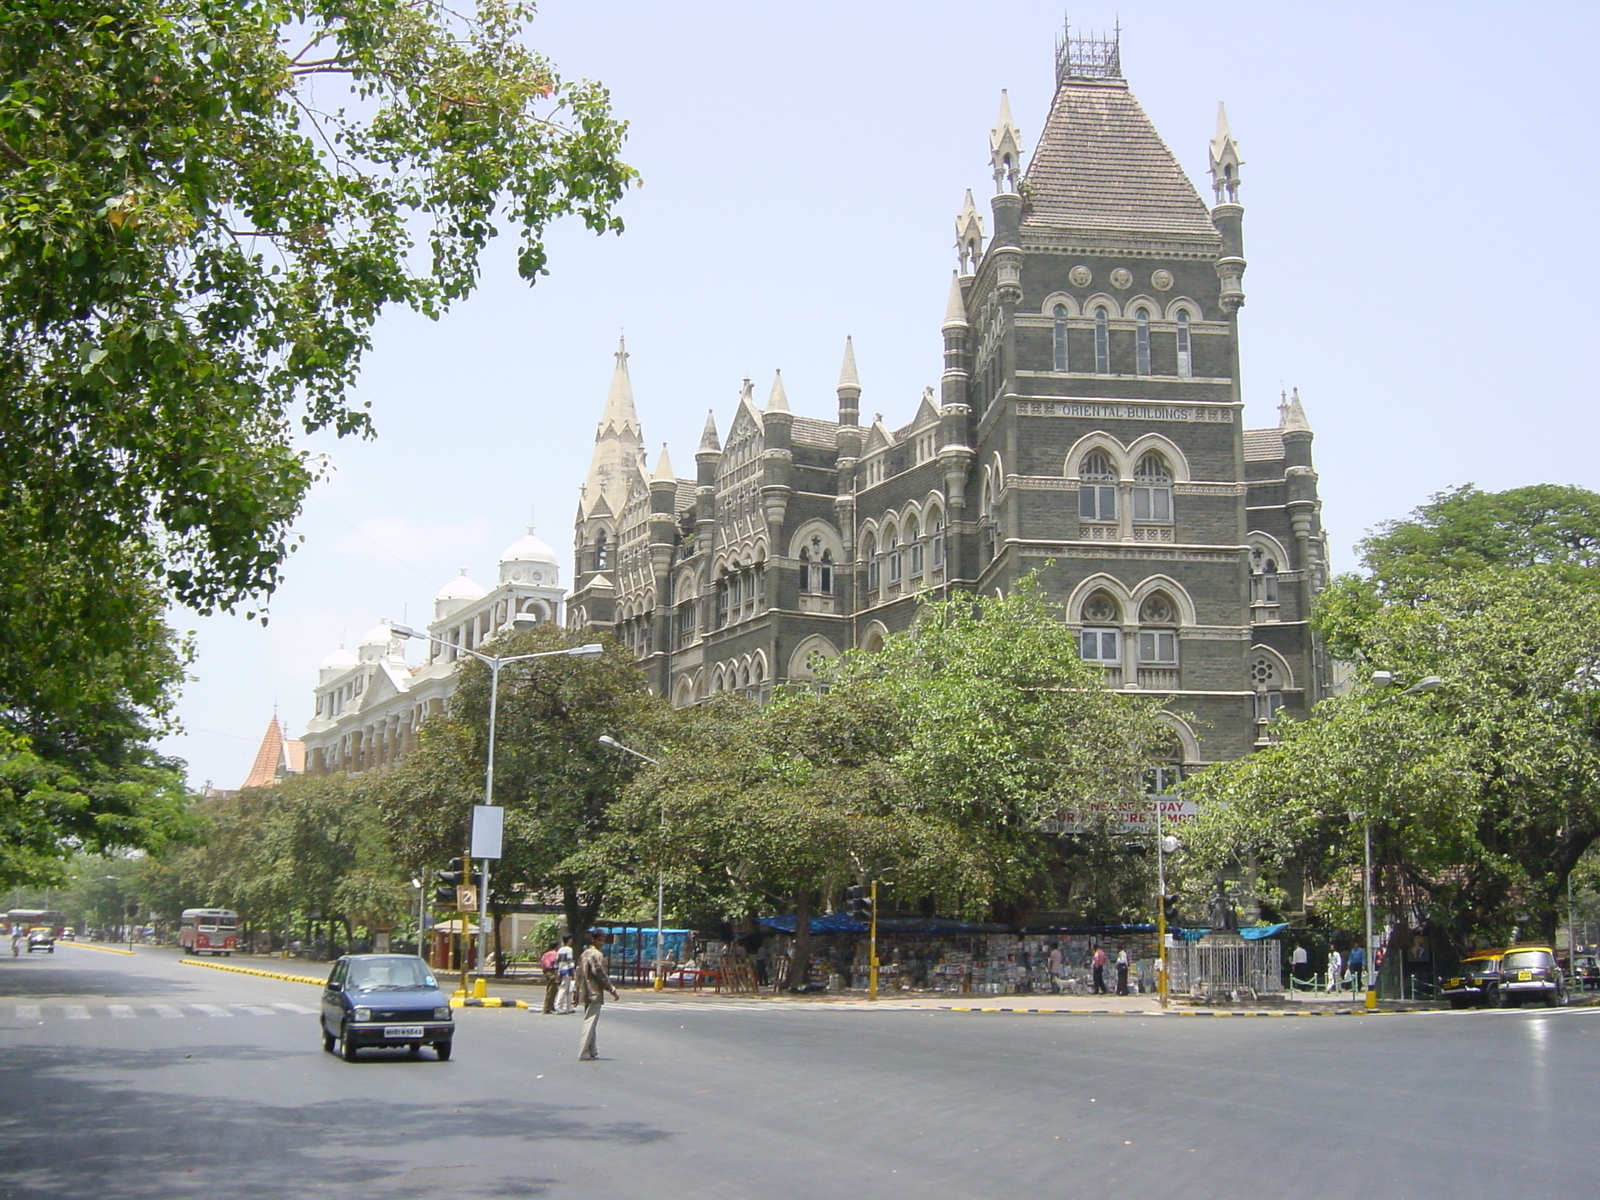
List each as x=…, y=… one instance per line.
x=1531, y=973
x=1476, y=981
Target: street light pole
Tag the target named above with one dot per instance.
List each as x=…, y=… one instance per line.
x=494, y=663
x=658, y=981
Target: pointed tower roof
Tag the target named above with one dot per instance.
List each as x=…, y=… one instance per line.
x=1101, y=167
x=969, y=235
x=778, y=399
x=847, y=370
x=1292, y=414
x=664, y=467
x=276, y=758
x=618, y=443
x=955, y=311
x=708, y=439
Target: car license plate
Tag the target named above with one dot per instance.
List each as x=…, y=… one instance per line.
x=402, y=1031
x=1524, y=976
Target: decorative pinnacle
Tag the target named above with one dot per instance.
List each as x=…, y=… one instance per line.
x=708, y=439
x=777, y=399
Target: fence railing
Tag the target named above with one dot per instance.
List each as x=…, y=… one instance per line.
x=1225, y=965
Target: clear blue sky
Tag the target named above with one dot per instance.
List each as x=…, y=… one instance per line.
x=1419, y=187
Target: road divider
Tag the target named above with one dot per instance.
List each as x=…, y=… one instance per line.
x=102, y=949
x=485, y=1002
x=313, y=980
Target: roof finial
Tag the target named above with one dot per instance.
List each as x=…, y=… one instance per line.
x=777, y=399
x=847, y=370
x=664, y=467
x=708, y=438
x=969, y=236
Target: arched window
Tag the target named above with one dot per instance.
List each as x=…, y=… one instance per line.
x=1185, y=361
x=1141, y=342
x=936, y=537
x=602, y=554
x=1097, y=487
x=1152, y=489
x=891, y=551
x=913, y=550
x=805, y=569
x=1102, y=341
x=1100, y=639
x=1059, y=337
x=869, y=555
x=1158, y=641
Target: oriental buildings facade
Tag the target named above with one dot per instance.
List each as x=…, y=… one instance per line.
x=1087, y=425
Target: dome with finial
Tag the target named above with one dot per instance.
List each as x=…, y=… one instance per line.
x=454, y=594
x=529, y=559
x=337, y=663
x=376, y=643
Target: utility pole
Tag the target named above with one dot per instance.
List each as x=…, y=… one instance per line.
x=872, y=959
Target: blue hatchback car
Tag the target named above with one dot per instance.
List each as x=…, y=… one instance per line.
x=385, y=1000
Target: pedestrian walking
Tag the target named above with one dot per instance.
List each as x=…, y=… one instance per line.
x=1358, y=964
x=1299, y=961
x=1097, y=964
x=566, y=972
x=1335, y=969
x=552, y=977
x=19, y=939
x=593, y=984
x=1122, y=970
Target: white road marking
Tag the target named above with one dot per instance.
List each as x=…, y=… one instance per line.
x=27, y=1012
x=167, y=1010
x=296, y=1008
x=257, y=1010
x=77, y=1012
x=123, y=1011
x=213, y=1010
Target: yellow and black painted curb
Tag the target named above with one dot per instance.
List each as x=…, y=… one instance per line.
x=485, y=1002
x=92, y=946
x=287, y=978
x=1182, y=1012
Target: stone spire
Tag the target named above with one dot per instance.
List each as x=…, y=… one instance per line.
x=778, y=399
x=955, y=310
x=969, y=236
x=1292, y=414
x=618, y=443
x=1005, y=149
x=708, y=439
x=1225, y=161
x=849, y=389
x=664, y=467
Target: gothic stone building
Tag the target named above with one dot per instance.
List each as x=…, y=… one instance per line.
x=1088, y=426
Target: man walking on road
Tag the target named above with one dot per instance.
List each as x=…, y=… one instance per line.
x=593, y=984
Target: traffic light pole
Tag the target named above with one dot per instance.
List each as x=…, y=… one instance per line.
x=872, y=961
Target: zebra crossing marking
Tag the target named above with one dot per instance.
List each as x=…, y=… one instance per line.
x=213, y=1010
x=77, y=1012
x=123, y=1011
x=27, y=1012
x=167, y=1010
x=300, y=1009
x=259, y=1010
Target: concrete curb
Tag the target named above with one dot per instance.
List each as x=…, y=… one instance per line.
x=287, y=978
x=485, y=1002
x=91, y=946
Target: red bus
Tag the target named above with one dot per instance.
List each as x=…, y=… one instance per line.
x=209, y=931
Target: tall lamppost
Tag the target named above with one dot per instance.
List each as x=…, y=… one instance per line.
x=422, y=894
x=1381, y=680
x=659, y=980
x=494, y=663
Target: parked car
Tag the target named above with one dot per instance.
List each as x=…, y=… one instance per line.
x=1477, y=981
x=42, y=938
x=1531, y=972
x=385, y=1000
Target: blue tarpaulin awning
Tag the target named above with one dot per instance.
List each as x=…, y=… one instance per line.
x=1258, y=932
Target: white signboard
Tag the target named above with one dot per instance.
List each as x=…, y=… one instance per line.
x=1124, y=818
x=488, y=828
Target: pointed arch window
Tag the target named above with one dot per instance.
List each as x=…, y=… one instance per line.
x=1152, y=489
x=891, y=551
x=1185, y=358
x=1263, y=578
x=1100, y=640
x=1058, y=334
x=914, y=551
x=805, y=568
x=602, y=552
x=1141, y=341
x=1097, y=487
x=869, y=554
x=1158, y=637
x=936, y=539
x=1102, y=340
x=825, y=573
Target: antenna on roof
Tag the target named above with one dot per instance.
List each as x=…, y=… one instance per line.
x=1088, y=57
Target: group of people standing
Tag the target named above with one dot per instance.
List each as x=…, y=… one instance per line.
x=584, y=981
x=1098, y=961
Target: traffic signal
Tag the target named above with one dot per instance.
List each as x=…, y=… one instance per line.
x=1168, y=908
x=858, y=903
x=449, y=880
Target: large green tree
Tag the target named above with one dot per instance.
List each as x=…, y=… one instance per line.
x=205, y=205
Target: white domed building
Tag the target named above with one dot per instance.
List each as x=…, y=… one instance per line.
x=371, y=703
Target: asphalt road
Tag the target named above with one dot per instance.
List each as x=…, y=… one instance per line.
x=140, y=1077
